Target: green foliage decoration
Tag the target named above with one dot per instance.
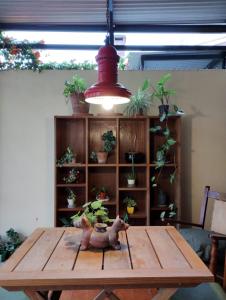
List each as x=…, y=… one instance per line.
x=109, y=141
x=66, y=158
x=76, y=85
x=129, y=202
x=140, y=102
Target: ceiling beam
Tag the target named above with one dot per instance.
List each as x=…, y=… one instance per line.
x=161, y=28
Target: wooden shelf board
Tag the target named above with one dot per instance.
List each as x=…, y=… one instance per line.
x=163, y=208
x=166, y=165
x=106, y=203
x=130, y=165
x=70, y=209
x=102, y=165
x=72, y=165
x=71, y=185
x=132, y=189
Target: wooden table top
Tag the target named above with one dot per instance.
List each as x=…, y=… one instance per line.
x=149, y=257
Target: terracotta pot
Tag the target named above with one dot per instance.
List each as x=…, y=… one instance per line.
x=79, y=106
x=102, y=157
x=130, y=210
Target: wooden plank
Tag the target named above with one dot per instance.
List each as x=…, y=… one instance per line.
x=39, y=254
x=193, y=259
x=90, y=259
x=142, y=253
x=164, y=294
x=17, y=256
x=118, y=259
x=64, y=255
x=168, y=253
x=84, y=279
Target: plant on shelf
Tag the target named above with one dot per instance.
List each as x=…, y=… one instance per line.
x=109, y=143
x=94, y=211
x=71, y=198
x=67, y=158
x=162, y=94
x=100, y=193
x=131, y=178
x=130, y=204
x=170, y=213
x=3, y=250
x=140, y=102
x=162, y=153
x=74, y=90
x=9, y=243
x=73, y=176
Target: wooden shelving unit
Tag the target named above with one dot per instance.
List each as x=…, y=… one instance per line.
x=83, y=135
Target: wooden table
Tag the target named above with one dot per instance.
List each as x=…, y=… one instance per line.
x=149, y=257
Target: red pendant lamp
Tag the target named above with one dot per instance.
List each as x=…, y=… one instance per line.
x=107, y=91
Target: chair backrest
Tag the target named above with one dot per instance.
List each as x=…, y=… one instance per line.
x=218, y=213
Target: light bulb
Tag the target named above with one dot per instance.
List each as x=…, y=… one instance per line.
x=107, y=106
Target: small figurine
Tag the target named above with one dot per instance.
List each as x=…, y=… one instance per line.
x=100, y=236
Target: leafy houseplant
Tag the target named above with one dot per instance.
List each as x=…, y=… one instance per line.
x=109, y=144
x=162, y=94
x=140, y=101
x=9, y=244
x=101, y=193
x=163, y=150
x=171, y=213
x=94, y=211
x=130, y=203
x=71, y=198
x=74, y=90
x=73, y=176
x=67, y=158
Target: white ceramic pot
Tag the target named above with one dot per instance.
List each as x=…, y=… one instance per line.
x=131, y=182
x=71, y=203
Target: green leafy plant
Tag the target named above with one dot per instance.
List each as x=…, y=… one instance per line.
x=140, y=102
x=71, y=194
x=76, y=85
x=10, y=243
x=109, y=141
x=67, y=157
x=129, y=202
x=94, y=212
x=161, y=153
x=161, y=93
x=171, y=213
x=93, y=156
x=132, y=175
x=100, y=193
x=73, y=176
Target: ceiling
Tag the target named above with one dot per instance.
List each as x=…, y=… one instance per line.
x=125, y=12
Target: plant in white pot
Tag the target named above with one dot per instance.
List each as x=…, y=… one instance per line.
x=74, y=90
x=71, y=198
x=131, y=178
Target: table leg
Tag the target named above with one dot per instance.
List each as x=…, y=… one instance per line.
x=106, y=293
x=34, y=295
x=51, y=295
x=164, y=294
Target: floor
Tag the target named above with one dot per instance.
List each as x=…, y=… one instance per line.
x=141, y=294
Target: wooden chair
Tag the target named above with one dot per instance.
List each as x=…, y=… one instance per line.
x=209, y=244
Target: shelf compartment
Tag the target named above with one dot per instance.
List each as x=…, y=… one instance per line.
x=97, y=127
x=132, y=137
x=139, y=197
x=66, y=128
x=63, y=172
x=62, y=196
x=99, y=177
x=140, y=177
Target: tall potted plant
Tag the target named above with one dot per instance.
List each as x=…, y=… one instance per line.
x=74, y=90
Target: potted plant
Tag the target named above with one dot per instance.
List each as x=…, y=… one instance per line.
x=73, y=176
x=131, y=178
x=170, y=213
x=71, y=198
x=139, y=102
x=109, y=144
x=162, y=94
x=74, y=90
x=94, y=211
x=130, y=204
x=67, y=158
x=3, y=250
x=101, y=193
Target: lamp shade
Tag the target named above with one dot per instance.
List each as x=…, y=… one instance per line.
x=107, y=91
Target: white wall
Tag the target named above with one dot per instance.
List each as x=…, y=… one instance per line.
x=28, y=102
